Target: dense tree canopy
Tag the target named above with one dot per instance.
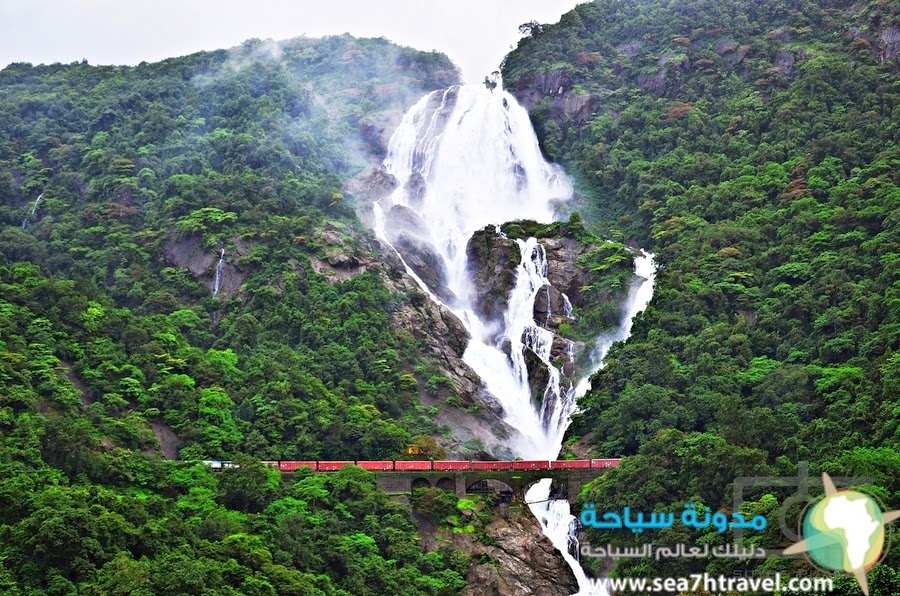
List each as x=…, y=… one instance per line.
x=119, y=188
x=754, y=147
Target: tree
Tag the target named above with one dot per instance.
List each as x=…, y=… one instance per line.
x=531, y=29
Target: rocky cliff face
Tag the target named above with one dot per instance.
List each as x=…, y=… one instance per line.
x=518, y=559
x=474, y=416
x=558, y=88
x=188, y=254
x=492, y=259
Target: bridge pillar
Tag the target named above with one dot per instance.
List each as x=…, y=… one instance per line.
x=575, y=482
x=515, y=482
x=460, y=485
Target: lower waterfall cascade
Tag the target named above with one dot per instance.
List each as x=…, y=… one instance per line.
x=557, y=521
x=465, y=158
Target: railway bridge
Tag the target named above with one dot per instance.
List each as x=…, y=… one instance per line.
x=509, y=479
x=510, y=485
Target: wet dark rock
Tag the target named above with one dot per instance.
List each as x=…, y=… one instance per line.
x=415, y=189
x=538, y=375
x=492, y=261
x=424, y=259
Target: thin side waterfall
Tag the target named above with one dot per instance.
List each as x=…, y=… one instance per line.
x=217, y=282
x=466, y=158
x=33, y=210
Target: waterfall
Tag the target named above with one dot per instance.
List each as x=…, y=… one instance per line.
x=557, y=521
x=217, y=282
x=466, y=158
x=33, y=209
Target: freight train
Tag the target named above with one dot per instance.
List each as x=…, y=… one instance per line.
x=434, y=466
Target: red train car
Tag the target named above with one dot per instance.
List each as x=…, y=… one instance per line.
x=570, y=464
x=376, y=466
x=491, y=465
x=412, y=466
x=290, y=466
x=530, y=465
x=605, y=463
x=450, y=466
x=333, y=466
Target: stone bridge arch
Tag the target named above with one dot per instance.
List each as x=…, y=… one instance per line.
x=446, y=483
x=420, y=482
x=484, y=486
x=559, y=487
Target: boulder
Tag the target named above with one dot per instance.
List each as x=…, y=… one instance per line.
x=403, y=219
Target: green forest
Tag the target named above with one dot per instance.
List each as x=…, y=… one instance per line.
x=754, y=147
x=167, y=232
x=118, y=188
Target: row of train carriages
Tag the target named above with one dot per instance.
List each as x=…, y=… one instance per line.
x=443, y=466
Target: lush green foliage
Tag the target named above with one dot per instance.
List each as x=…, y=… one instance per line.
x=753, y=146
x=109, y=333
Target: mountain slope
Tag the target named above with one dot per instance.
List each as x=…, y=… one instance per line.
x=753, y=146
x=181, y=272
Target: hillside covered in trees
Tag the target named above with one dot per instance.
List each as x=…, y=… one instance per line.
x=754, y=146
x=175, y=259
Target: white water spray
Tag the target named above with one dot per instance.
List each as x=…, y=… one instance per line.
x=466, y=158
x=33, y=210
x=220, y=266
x=556, y=519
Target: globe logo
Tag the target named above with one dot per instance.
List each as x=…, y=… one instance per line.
x=844, y=532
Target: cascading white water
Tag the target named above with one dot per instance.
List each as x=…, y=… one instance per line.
x=466, y=158
x=556, y=519
x=33, y=210
x=217, y=282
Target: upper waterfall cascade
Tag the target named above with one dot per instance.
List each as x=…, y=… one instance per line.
x=465, y=158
